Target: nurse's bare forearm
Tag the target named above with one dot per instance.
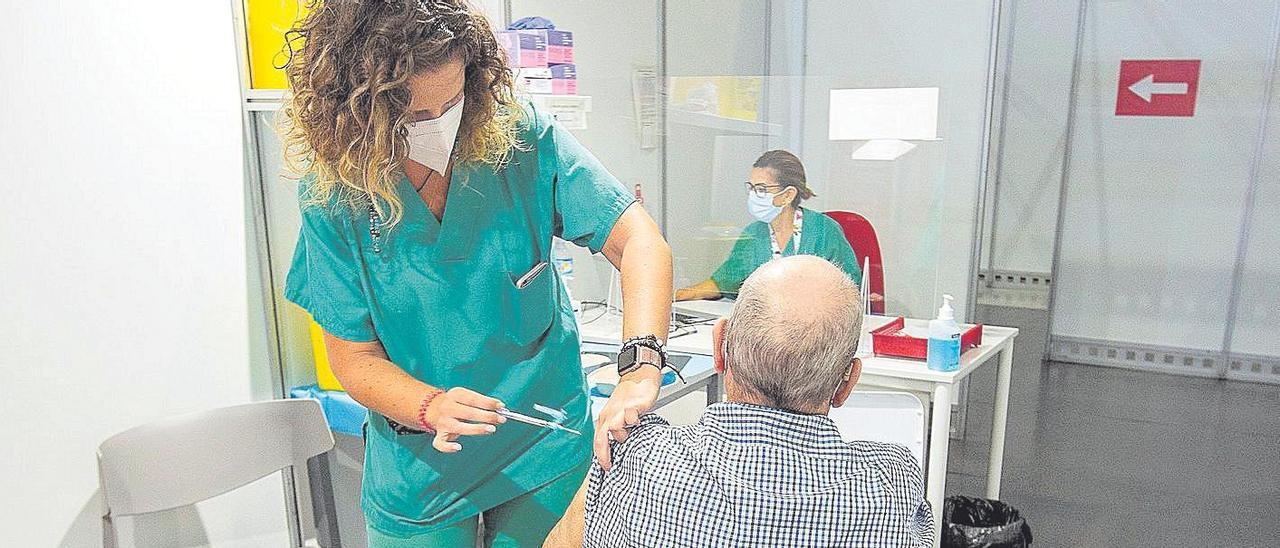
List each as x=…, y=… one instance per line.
x=638, y=251
x=371, y=379
x=705, y=289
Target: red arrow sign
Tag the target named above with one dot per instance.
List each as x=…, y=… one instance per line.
x=1158, y=87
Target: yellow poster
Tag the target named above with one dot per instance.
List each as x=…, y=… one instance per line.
x=736, y=97
x=267, y=21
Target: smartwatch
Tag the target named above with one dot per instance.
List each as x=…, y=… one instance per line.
x=633, y=356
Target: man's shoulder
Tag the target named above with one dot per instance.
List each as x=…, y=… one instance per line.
x=896, y=463
x=641, y=437
x=882, y=451
x=891, y=455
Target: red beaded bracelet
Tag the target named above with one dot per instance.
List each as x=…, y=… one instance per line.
x=422, y=410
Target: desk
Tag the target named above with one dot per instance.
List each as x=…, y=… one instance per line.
x=698, y=373
x=936, y=388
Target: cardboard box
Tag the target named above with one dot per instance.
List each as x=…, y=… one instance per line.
x=548, y=86
x=559, y=44
x=559, y=72
x=564, y=87
x=524, y=49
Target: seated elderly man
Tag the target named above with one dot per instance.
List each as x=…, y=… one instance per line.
x=768, y=467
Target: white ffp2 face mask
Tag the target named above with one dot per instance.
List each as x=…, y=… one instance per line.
x=761, y=206
x=431, y=141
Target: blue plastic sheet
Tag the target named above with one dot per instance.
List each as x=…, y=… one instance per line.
x=345, y=415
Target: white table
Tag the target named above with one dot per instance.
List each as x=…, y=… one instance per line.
x=698, y=374
x=936, y=388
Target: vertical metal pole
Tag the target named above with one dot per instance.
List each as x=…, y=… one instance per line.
x=257, y=223
x=997, y=171
x=766, y=73
x=798, y=110
x=1250, y=199
x=1081, y=19
x=975, y=248
x=662, y=108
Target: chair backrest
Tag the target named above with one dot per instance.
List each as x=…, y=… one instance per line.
x=862, y=237
x=186, y=459
x=892, y=417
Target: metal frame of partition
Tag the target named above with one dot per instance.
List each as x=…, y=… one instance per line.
x=254, y=101
x=985, y=164
x=1246, y=221
x=1221, y=363
x=1081, y=14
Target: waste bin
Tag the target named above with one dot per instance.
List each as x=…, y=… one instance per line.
x=970, y=522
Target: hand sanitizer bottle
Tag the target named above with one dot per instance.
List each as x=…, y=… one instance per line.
x=944, y=338
x=562, y=260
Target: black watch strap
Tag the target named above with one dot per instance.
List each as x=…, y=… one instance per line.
x=637, y=352
x=634, y=357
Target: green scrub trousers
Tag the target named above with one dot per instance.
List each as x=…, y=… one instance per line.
x=522, y=521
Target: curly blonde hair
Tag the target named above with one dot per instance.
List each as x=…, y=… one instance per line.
x=349, y=64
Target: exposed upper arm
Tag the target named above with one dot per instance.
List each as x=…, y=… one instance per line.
x=634, y=222
x=569, y=530
x=344, y=354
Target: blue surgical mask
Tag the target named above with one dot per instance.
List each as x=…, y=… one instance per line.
x=761, y=206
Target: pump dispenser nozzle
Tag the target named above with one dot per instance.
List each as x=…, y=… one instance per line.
x=945, y=312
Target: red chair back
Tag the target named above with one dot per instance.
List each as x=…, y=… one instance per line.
x=862, y=236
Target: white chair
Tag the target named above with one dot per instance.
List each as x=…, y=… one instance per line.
x=892, y=417
x=183, y=460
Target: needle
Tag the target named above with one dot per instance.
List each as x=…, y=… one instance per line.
x=535, y=421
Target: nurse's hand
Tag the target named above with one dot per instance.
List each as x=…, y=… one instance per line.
x=460, y=412
x=634, y=396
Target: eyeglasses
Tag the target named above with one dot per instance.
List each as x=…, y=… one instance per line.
x=762, y=190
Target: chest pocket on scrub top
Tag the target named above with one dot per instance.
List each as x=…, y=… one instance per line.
x=532, y=291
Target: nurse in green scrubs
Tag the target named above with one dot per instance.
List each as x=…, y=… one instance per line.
x=775, y=190
x=430, y=197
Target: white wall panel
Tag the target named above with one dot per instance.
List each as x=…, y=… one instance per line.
x=1258, y=309
x=1153, y=206
x=122, y=240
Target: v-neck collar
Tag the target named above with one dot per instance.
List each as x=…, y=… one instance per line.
x=462, y=205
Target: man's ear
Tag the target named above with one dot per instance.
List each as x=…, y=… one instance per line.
x=846, y=385
x=717, y=345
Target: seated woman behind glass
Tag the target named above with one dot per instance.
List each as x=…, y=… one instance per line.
x=782, y=228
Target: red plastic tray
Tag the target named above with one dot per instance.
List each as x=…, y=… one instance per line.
x=890, y=340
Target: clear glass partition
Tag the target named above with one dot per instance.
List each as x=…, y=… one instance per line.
x=885, y=104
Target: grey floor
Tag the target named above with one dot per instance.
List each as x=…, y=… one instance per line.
x=1103, y=457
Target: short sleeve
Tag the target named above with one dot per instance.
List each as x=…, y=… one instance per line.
x=325, y=277
x=841, y=254
x=588, y=199
x=607, y=494
x=740, y=264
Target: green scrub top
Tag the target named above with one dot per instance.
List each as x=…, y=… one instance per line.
x=441, y=298
x=822, y=236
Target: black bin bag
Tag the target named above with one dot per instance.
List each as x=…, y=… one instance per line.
x=970, y=522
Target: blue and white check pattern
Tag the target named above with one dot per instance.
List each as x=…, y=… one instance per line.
x=747, y=475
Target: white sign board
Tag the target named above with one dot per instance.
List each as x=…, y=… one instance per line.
x=883, y=113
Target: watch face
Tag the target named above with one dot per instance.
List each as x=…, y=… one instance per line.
x=626, y=358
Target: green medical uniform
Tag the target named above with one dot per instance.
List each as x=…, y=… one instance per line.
x=821, y=236
x=442, y=299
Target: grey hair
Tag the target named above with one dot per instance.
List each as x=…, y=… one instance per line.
x=793, y=355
